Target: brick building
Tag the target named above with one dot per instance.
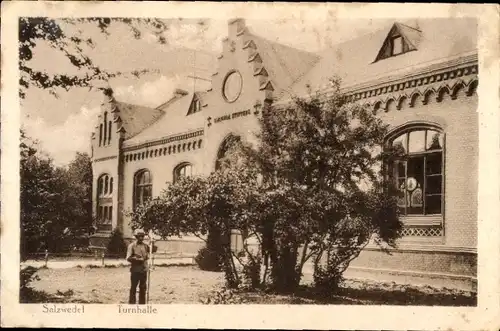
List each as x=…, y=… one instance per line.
x=419, y=76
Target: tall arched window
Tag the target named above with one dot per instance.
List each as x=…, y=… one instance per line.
x=104, y=202
x=109, y=132
x=182, y=170
x=143, y=187
x=100, y=134
x=105, y=128
x=417, y=171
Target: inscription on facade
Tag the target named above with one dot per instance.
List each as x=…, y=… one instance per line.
x=232, y=116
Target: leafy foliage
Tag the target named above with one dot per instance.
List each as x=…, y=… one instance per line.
x=75, y=47
x=26, y=292
x=208, y=259
x=116, y=245
x=56, y=212
x=325, y=187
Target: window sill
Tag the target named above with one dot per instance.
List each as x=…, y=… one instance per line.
x=422, y=220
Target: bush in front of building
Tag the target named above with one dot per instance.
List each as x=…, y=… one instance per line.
x=117, y=247
x=210, y=257
x=208, y=260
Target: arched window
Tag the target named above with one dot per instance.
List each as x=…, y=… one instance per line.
x=182, y=170
x=104, y=202
x=417, y=171
x=226, y=150
x=143, y=187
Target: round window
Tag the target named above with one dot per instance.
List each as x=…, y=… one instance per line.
x=232, y=86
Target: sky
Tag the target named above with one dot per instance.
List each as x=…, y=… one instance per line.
x=63, y=125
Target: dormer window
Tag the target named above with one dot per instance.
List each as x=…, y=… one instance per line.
x=400, y=39
x=195, y=104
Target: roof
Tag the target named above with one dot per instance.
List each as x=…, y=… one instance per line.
x=135, y=118
x=284, y=64
x=353, y=60
x=174, y=114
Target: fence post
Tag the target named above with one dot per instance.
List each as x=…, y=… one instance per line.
x=46, y=257
x=102, y=256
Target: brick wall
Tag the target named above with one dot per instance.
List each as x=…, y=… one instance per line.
x=459, y=120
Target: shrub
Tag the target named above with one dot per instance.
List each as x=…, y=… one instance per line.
x=208, y=260
x=26, y=293
x=327, y=280
x=117, y=246
x=223, y=296
x=251, y=273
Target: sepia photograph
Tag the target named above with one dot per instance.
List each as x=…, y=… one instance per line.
x=247, y=161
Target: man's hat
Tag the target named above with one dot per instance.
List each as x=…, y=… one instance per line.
x=139, y=232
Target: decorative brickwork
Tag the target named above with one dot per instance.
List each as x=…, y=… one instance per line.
x=409, y=231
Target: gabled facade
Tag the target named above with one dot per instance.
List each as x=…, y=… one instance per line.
x=420, y=77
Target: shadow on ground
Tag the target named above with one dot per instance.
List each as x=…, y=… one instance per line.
x=368, y=293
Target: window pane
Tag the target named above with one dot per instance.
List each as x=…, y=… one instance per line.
x=400, y=143
x=99, y=213
x=99, y=186
x=105, y=185
x=111, y=185
x=147, y=193
x=400, y=169
x=433, y=204
x=416, y=141
x=434, y=140
x=397, y=45
x=110, y=213
x=414, y=185
x=433, y=184
x=434, y=163
x=401, y=194
x=147, y=177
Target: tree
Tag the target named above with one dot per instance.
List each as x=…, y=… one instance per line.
x=79, y=175
x=196, y=205
x=75, y=46
x=55, y=213
x=325, y=191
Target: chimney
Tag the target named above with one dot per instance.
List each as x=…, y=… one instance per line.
x=178, y=93
x=236, y=25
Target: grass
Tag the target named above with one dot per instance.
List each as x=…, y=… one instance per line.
x=190, y=285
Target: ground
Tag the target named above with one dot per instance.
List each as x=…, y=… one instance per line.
x=188, y=284
x=174, y=284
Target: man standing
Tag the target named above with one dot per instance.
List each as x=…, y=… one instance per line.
x=138, y=255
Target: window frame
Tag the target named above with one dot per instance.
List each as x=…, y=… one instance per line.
x=141, y=186
x=178, y=168
x=104, y=206
x=419, y=219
